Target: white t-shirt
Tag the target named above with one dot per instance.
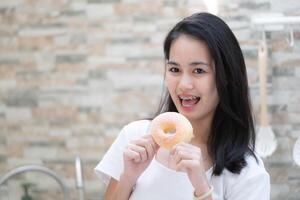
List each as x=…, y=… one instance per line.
x=158, y=182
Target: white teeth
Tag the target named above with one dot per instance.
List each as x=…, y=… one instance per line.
x=189, y=98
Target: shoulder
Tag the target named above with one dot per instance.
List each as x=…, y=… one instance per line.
x=253, y=181
x=254, y=168
x=111, y=164
x=136, y=129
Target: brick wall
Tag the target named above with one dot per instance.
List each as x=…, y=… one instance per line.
x=73, y=72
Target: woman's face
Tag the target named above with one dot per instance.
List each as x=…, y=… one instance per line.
x=190, y=78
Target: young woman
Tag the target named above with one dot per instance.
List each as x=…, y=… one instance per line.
x=206, y=81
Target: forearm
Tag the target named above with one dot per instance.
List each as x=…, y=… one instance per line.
x=203, y=192
x=203, y=188
x=123, y=189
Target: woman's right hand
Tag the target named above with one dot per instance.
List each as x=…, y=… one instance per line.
x=137, y=156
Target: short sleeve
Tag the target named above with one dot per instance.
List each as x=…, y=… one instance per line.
x=253, y=183
x=111, y=164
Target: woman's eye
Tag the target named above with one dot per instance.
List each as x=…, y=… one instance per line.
x=199, y=71
x=173, y=69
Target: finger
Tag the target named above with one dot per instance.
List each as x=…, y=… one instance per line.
x=139, y=149
x=189, y=146
x=183, y=151
x=146, y=143
x=191, y=149
x=129, y=154
x=152, y=145
x=185, y=155
x=177, y=148
x=184, y=165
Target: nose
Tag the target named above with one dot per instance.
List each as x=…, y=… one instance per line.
x=185, y=82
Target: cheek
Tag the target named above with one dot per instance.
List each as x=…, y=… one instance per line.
x=170, y=83
x=210, y=89
x=214, y=94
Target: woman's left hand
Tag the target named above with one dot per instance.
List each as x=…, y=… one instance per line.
x=188, y=158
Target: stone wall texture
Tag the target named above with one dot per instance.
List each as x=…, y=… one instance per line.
x=73, y=72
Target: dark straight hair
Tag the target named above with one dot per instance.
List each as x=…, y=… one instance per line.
x=232, y=135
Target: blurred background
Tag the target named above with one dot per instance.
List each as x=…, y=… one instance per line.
x=74, y=72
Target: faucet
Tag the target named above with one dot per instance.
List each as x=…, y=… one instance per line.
x=79, y=178
x=37, y=168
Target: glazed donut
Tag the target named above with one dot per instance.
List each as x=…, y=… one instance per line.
x=170, y=128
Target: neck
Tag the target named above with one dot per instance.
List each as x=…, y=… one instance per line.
x=201, y=134
x=201, y=129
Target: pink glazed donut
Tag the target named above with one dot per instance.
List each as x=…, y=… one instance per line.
x=170, y=128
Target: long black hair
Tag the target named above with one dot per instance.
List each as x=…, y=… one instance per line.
x=232, y=134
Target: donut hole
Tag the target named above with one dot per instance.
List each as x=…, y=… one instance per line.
x=170, y=130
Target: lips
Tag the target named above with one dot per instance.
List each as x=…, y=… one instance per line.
x=189, y=101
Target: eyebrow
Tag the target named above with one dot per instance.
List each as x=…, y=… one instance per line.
x=191, y=64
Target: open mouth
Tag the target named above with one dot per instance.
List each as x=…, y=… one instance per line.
x=189, y=101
